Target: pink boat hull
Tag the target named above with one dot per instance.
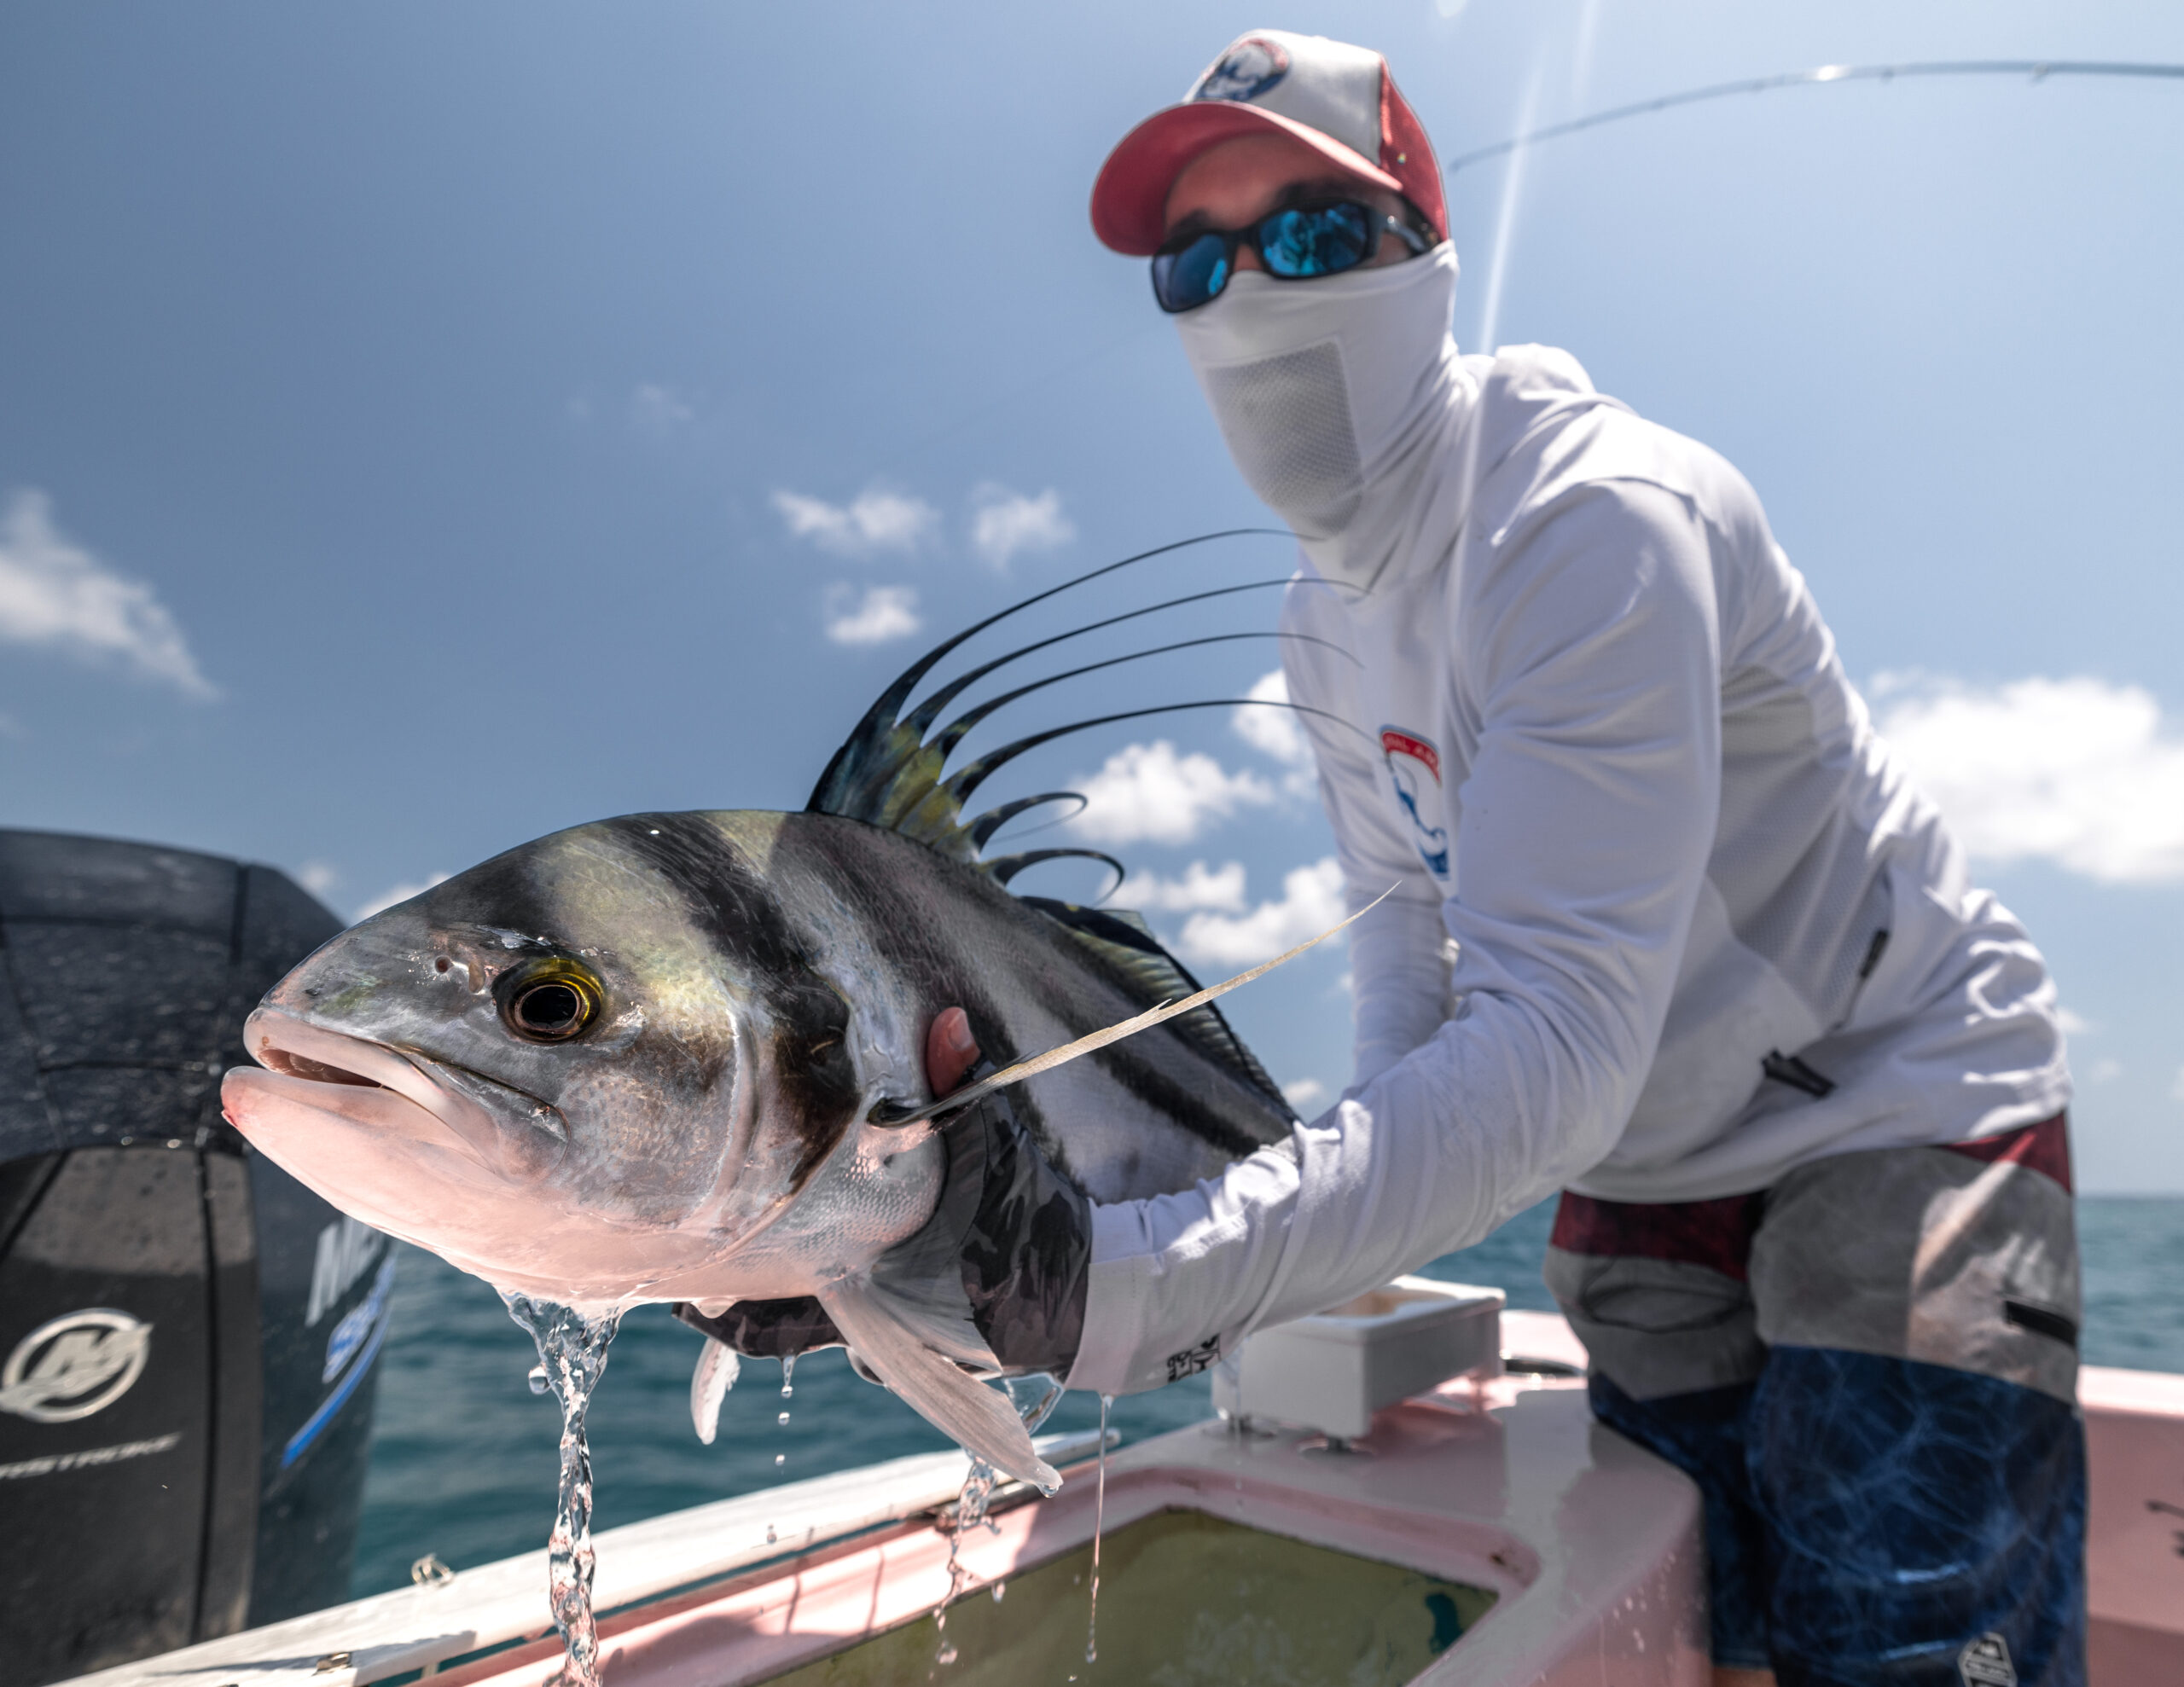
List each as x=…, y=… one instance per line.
x=2134, y=1548
x=1590, y=1545
x=1594, y=1549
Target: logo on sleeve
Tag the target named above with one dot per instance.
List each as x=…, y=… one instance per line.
x=1414, y=765
x=1245, y=71
x=1192, y=1360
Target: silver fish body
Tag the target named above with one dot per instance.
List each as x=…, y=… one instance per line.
x=681, y=1056
x=754, y=987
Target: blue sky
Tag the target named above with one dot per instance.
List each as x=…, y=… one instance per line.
x=422, y=426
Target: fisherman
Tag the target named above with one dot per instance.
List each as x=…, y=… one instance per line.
x=1670, y=933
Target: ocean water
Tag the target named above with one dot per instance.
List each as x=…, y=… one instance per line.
x=464, y=1459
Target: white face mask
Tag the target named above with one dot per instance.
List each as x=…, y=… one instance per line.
x=1327, y=390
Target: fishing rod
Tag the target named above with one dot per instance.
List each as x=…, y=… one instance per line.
x=2037, y=70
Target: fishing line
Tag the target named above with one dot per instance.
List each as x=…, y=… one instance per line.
x=893, y=1116
x=2037, y=70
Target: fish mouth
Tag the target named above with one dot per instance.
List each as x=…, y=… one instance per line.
x=294, y=1048
x=407, y=1094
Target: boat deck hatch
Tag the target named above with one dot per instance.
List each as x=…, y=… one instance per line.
x=1186, y=1600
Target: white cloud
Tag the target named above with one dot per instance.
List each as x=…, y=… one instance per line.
x=873, y=521
x=2105, y=1070
x=2074, y=1024
x=1311, y=901
x=1273, y=731
x=1147, y=792
x=1200, y=887
x=57, y=593
x=398, y=893
x=871, y=615
x=658, y=408
x=1305, y=1093
x=1277, y=732
x=318, y=877
x=1004, y=523
x=2078, y=772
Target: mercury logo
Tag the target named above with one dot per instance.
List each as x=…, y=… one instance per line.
x=75, y=1364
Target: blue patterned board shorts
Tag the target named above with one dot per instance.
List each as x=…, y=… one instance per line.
x=1870, y=1371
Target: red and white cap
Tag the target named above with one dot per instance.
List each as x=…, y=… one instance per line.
x=1337, y=99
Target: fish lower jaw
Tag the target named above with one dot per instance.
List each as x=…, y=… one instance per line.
x=734, y=1280
x=510, y=1134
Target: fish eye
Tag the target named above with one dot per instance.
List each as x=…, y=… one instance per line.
x=548, y=1001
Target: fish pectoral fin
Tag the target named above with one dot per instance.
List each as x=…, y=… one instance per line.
x=979, y=1418
x=717, y=1366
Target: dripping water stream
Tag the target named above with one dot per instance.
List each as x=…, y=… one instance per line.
x=1034, y=1407
x=572, y=1352
x=1099, y=1524
x=970, y=1513
x=788, y=1391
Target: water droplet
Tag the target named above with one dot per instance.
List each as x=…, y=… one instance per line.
x=537, y=1379
x=788, y=1374
x=999, y=1588
x=783, y=1418
x=946, y=1655
x=770, y=1534
x=781, y=1458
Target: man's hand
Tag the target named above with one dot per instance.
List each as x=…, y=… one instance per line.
x=1009, y=1242
x=766, y=1329
x=1015, y=1235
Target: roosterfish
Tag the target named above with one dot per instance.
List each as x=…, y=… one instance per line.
x=680, y=1057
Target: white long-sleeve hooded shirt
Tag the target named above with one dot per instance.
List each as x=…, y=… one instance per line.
x=1583, y=717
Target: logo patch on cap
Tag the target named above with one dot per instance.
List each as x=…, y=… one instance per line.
x=1245, y=71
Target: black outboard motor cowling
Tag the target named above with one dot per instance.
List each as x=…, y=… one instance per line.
x=188, y=1336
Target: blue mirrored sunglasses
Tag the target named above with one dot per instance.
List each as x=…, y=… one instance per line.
x=1300, y=244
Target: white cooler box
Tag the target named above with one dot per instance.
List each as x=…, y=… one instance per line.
x=1332, y=1371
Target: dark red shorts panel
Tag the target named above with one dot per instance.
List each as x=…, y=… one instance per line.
x=2044, y=1147
x=1716, y=1234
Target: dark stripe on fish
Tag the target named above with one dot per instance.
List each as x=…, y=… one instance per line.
x=1126, y=1064
x=739, y=912
x=504, y=893
x=880, y=899
x=1156, y=1089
